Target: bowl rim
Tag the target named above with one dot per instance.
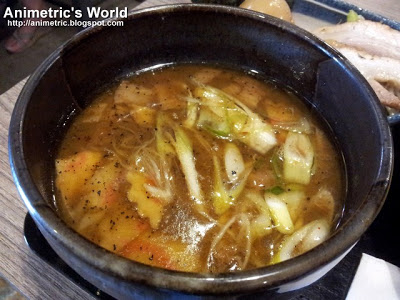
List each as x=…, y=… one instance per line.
x=244, y=281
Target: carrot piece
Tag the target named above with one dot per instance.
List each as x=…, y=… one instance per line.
x=155, y=250
x=147, y=205
x=117, y=231
x=73, y=171
x=102, y=190
x=148, y=253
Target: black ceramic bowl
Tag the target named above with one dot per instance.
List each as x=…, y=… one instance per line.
x=213, y=34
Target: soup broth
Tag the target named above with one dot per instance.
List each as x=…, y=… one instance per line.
x=199, y=168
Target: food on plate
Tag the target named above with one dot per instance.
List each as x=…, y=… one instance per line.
x=374, y=49
x=277, y=8
x=369, y=36
x=201, y=169
x=352, y=16
x=382, y=73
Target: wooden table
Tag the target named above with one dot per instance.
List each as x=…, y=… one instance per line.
x=18, y=264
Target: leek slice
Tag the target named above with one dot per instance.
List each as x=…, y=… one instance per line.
x=279, y=213
x=221, y=199
x=277, y=163
x=259, y=201
x=237, y=119
x=292, y=198
x=244, y=125
x=216, y=100
x=184, y=150
x=298, y=158
x=294, y=201
x=163, y=143
x=191, y=114
x=260, y=225
x=258, y=135
x=234, y=164
x=307, y=237
x=214, y=124
x=238, y=188
x=301, y=126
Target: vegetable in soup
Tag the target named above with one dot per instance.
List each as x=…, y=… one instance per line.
x=199, y=168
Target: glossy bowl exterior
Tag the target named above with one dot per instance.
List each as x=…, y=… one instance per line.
x=200, y=33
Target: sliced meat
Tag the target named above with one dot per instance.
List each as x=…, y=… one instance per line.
x=385, y=96
x=380, y=72
x=372, y=37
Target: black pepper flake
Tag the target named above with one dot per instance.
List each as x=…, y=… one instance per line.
x=112, y=224
x=115, y=247
x=151, y=257
x=99, y=192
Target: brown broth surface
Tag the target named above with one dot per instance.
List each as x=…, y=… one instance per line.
x=124, y=188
